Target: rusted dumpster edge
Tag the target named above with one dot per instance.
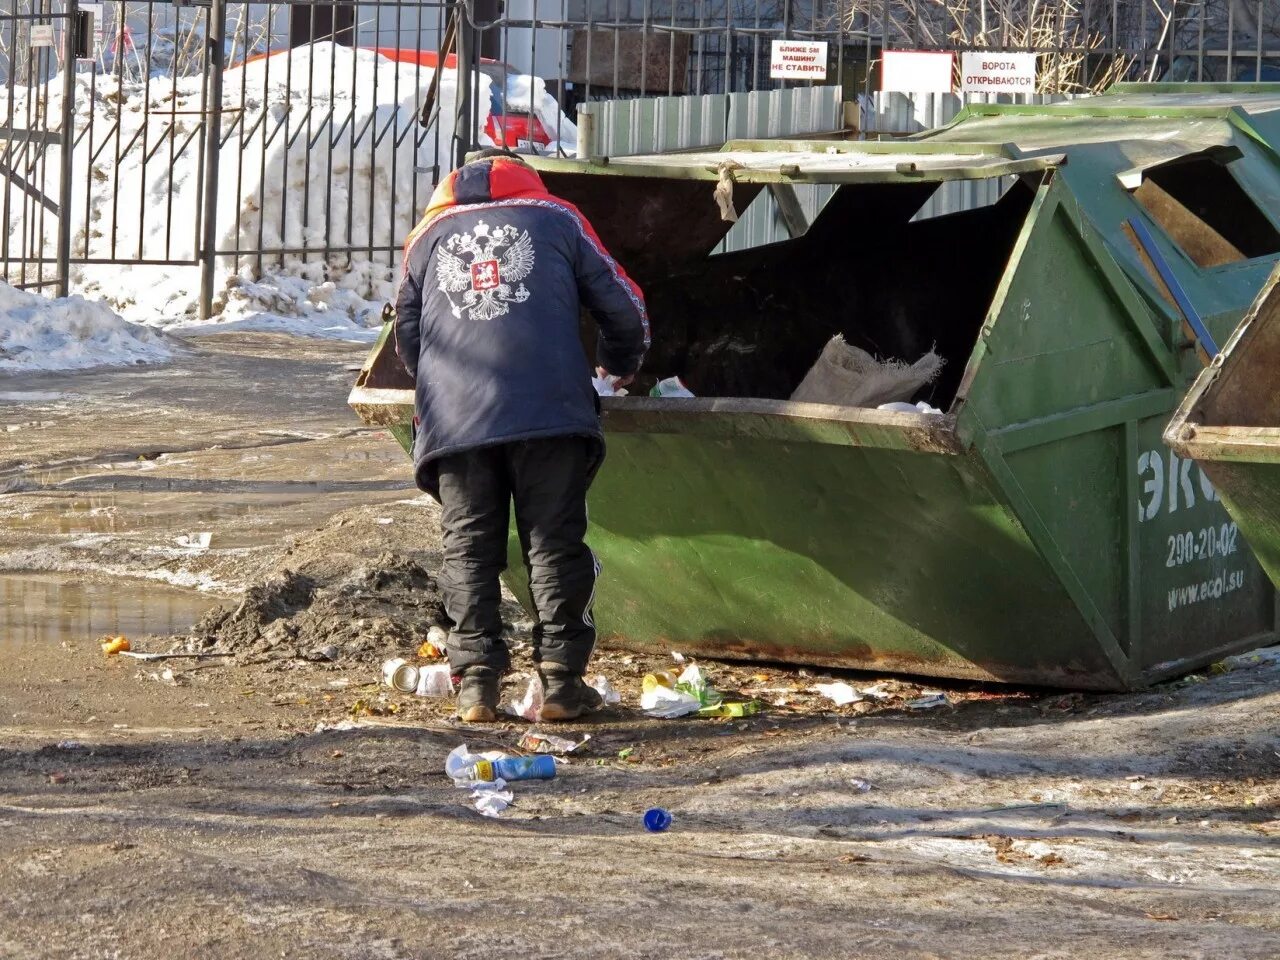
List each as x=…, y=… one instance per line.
x=723, y=418
x=1190, y=438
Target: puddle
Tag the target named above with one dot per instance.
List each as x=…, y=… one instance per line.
x=47, y=608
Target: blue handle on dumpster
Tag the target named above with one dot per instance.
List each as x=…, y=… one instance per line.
x=1175, y=288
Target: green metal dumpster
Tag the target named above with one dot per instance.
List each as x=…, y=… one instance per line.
x=1022, y=534
x=1229, y=424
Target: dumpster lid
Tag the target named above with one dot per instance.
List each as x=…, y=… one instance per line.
x=672, y=219
x=816, y=161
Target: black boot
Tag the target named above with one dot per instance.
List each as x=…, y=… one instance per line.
x=566, y=695
x=478, y=695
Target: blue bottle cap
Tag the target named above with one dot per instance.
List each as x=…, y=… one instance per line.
x=656, y=819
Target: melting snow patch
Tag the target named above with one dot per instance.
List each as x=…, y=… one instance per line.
x=37, y=333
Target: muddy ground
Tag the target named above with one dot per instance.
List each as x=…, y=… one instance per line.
x=279, y=802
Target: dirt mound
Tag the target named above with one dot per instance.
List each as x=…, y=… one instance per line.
x=377, y=610
x=360, y=587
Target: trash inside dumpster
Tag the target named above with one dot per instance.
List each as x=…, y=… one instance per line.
x=1229, y=424
x=1020, y=535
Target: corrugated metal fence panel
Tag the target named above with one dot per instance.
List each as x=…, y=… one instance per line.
x=906, y=113
x=655, y=124
x=784, y=113
x=764, y=114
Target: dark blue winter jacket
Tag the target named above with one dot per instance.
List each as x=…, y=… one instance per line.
x=487, y=318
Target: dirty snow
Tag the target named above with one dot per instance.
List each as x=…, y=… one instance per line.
x=39, y=333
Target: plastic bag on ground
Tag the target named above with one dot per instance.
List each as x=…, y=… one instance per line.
x=529, y=706
x=838, y=693
x=690, y=694
x=608, y=694
x=847, y=376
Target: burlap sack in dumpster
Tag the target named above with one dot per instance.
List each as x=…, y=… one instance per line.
x=849, y=377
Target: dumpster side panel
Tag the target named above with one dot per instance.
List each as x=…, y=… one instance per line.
x=1067, y=403
x=1251, y=493
x=1202, y=592
x=825, y=553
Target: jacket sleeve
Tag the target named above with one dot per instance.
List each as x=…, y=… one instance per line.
x=616, y=303
x=409, y=315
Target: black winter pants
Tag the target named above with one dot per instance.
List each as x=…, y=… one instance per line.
x=547, y=480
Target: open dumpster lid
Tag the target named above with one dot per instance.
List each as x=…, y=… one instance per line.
x=674, y=220
x=816, y=161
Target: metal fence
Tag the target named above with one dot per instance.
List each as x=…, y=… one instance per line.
x=230, y=140
x=36, y=102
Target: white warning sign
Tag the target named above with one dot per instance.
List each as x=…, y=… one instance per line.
x=42, y=35
x=986, y=72
x=798, y=60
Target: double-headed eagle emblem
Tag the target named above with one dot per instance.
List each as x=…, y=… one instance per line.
x=485, y=267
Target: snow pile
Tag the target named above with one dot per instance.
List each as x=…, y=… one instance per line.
x=327, y=151
x=37, y=333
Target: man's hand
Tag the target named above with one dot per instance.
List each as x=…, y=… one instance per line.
x=618, y=381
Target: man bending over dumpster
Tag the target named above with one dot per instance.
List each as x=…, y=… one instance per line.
x=495, y=276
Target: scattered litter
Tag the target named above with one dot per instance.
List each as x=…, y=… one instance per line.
x=838, y=693
x=670, y=387
x=608, y=386
x=847, y=376
x=664, y=702
x=529, y=706
x=69, y=744
x=900, y=406
x=677, y=657
x=656, y=819
x=859, y=785
x=399, y=674
x=429, y=681
x=195, y=542
x=667, y=697
x=114, y=645
x=877, y=692
x=736, y=708
x=435, y=681
x=436, y=644
x=483, y=775
x=626, y=752
x=383, y=521
x=540, y=767
x=928, y=702
x=340, y=726
x=164, y=676
x=608, y=694
x=137, y=655
x=536, y=742
x=491, y=799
